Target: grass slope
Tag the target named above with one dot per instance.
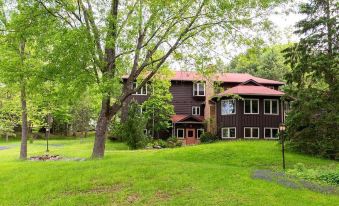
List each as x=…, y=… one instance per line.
x=214, y=174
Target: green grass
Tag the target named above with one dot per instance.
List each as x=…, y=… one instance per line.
x=214, y=174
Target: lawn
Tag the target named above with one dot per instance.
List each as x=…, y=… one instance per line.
x=213, y=174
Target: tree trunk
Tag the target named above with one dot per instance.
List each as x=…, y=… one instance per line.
x=101, y=130
x=6, y=137
x=23, y=150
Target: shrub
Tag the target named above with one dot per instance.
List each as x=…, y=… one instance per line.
x=173, y=142
x=208, y=137
x=133, y=128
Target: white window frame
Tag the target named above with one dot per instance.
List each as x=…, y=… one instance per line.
x=183, y=133
x=145, y=131
x=200, y=129
x=271, y=137
x=235, y=106
x=228, y=128
x=271, y=108
x=197, y=109
x=142, y=89
x=196, y=88
x=251, y=137
x=251, y=100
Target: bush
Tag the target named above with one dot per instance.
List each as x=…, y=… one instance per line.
x=208, y=137
x=133, y=128
x=322, y=174
x=173, y=142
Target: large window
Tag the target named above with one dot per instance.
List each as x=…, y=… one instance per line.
x=251, y=106
x=180, y=133
x=195, y=110
x=271, y=106
x=199, y=89
x=228, y=132
x=141, y=91
x=228, y=107
x=271, y=133
x=251, y=132
x=200, y=132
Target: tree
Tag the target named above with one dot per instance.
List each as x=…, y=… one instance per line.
x=16, y=63
x=313, y=123
x=134, y=126
x=158, y=108
x=138, y=37
x=265, y=62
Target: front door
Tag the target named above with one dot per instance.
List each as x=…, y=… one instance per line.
x=190, y=136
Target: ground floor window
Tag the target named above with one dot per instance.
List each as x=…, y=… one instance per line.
x=251, y=132
x=200, y=132
x=180, y=133
x=271, y=133
x=228, y=132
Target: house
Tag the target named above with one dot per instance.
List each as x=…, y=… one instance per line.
x=231, y=105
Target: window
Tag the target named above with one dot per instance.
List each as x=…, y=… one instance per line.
x=145, y=131
x=251, y=106
x=271, y=106
x=251, y=132
x=228, y=107
x=271, y=87
x=199, y=89
x=200, y=132
x=195, y=110
x=228, y=132
x=271, y=133
x=180, y=133
x=141, y=91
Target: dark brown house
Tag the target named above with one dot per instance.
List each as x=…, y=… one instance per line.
x=241, y=106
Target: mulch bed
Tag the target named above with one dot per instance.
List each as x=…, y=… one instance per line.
x=47, y=157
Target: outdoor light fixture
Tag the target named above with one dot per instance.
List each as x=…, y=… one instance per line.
x=282, y=129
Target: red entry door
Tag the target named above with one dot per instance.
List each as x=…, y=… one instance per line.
x=190, y=136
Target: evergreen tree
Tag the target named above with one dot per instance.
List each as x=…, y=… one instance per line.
x=313, y=124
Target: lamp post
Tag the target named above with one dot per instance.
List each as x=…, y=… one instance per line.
x=282, y=129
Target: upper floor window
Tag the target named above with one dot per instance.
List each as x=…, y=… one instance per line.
x=195, y=110
x=228, y=107
x=271, y=87
x=271, y=106
x=251, y=106
x=141, y=91
x=199, y=89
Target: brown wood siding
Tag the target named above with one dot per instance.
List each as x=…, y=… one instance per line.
x=241, y=120
x=183, y=98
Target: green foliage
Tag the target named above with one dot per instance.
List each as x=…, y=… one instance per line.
x=265, y=62
x=313, y=123
x=158, y=107
x=174, y=142
x=133, y=128
x=208, y=137
x=329, y=175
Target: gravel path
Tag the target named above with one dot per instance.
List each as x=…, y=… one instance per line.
x=3, y=147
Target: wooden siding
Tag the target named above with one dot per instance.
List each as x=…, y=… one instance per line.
x=241, y=120
x=183, y=98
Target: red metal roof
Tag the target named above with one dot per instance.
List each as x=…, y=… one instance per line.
x=251, y=90
x=223, y=77
x=183, y=117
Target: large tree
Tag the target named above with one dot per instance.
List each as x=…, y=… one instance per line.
x=313, y=124
x=137, y=37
